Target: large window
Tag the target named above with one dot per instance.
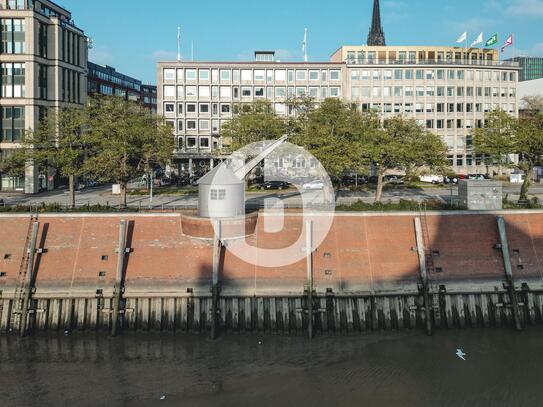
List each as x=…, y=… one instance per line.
x=13, y=123
x=16, y=4
x=13, y=36
x=13, y=80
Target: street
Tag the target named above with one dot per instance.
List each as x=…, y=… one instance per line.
x=290, y=198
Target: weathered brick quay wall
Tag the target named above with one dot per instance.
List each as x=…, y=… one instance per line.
x=373, y=271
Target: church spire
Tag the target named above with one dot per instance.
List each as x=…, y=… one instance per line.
x=376, y=35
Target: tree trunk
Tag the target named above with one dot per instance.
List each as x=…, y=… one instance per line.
x=379, y=191
x=123, y=194
x=71, y=181
x=524, y=189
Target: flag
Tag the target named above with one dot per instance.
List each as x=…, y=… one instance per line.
x=462, y=38
x=478, y=40
x=492, y=40
x=508, y=42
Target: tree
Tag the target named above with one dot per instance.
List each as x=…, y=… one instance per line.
x=529, y=145
x=333, y=132
x=56, y=143
x=496, y=140
x=402, y=144
x=254, y=122
x=533, y=104
x=126, y=140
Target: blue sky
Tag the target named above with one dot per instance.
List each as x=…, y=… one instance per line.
x=132, y=35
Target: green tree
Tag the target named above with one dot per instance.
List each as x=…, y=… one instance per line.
x=253, y=122
x=125, y=141
x=402, y=144
x=333, y=132
x=496, y=140
x=56, y=143
x=529, y=145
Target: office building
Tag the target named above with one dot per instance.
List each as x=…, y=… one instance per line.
x=105, y=80
x=43, y=57
x=531, y=68
x=148, y=97
x=448, y=90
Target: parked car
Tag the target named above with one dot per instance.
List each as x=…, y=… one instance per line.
x=313, y=185
x=431, y=179
x=477, y=177
x=394, y=179
x=274, y=185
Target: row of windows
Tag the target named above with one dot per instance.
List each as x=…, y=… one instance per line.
x=430, y=91
x=432, y=74
x=70, y=86
x=12, y=123
x=362, y=57
x=249, y=75
x=437, y=108
x=229, y=92
x=116, y=79
x=71, y=47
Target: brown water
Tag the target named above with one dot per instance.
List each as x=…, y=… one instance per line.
x=503, y=368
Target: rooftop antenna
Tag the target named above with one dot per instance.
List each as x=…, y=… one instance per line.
x=179, y=43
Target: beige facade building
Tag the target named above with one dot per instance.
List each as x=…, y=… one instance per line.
x=43, y=58
x=448, y=90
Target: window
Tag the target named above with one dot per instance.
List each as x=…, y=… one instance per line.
x=203, y=91
x=246, y=75
x=204, y=125
x=204, y=142
x=386, y=91
x=204, y=107
x=246, y=92
x=169, y=91
x=365, y=75
x=169, y=107
x=301, y=92
x=169, y=74
x=301, y=75
x=217, y=194
x=12, y=36
x=13, y=123
x=280, y=75
x=259, y=74
x=191, y=108
x=235, y=75
x=387, y=75
x=16, y=4
x=269, y=76
x=259, y=92
x=279, y=92
x=398, y=91
x=398, y=74
x=376, y=75
x=203, y=74
x=191, y=125
x=334, y=75
x=190, y=74
x=180, y=75
x=334, y=92
x=430, y=75
x=313, y=92
x=419, y=74
x=226, y=92
x=180, y=92
x=214, y=75
x=180, y=108
x=13, y=80
x=191, y=91
x=225, y=109
x=180, y=125
x=409, y=74
x=313, y=75
x=191, y=141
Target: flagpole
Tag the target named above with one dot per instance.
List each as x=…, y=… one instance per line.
x=178, y=43
x=192, y=50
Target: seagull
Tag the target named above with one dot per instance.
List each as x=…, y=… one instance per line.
x=460, y=354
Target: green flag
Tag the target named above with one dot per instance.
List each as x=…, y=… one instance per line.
x=492, y=40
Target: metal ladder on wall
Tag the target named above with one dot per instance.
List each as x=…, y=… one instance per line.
x=433, y=286
x=19, y=297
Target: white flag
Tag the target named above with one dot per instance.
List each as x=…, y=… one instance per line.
x=478, y=40
x=462, y=38
x=304, y=45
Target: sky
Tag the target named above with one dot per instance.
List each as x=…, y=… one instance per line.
x=131, y=35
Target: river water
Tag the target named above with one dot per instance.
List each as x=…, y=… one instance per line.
x=502, y=368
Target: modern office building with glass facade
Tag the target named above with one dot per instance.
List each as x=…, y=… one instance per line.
x=448, y=90
x=530, y=68
x=43, y=57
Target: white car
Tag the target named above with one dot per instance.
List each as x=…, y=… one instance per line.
x=431, y=179
x=317, y=184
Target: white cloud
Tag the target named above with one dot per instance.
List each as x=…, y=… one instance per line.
x=164, y=55
x=100, y=55
x=525, y=8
